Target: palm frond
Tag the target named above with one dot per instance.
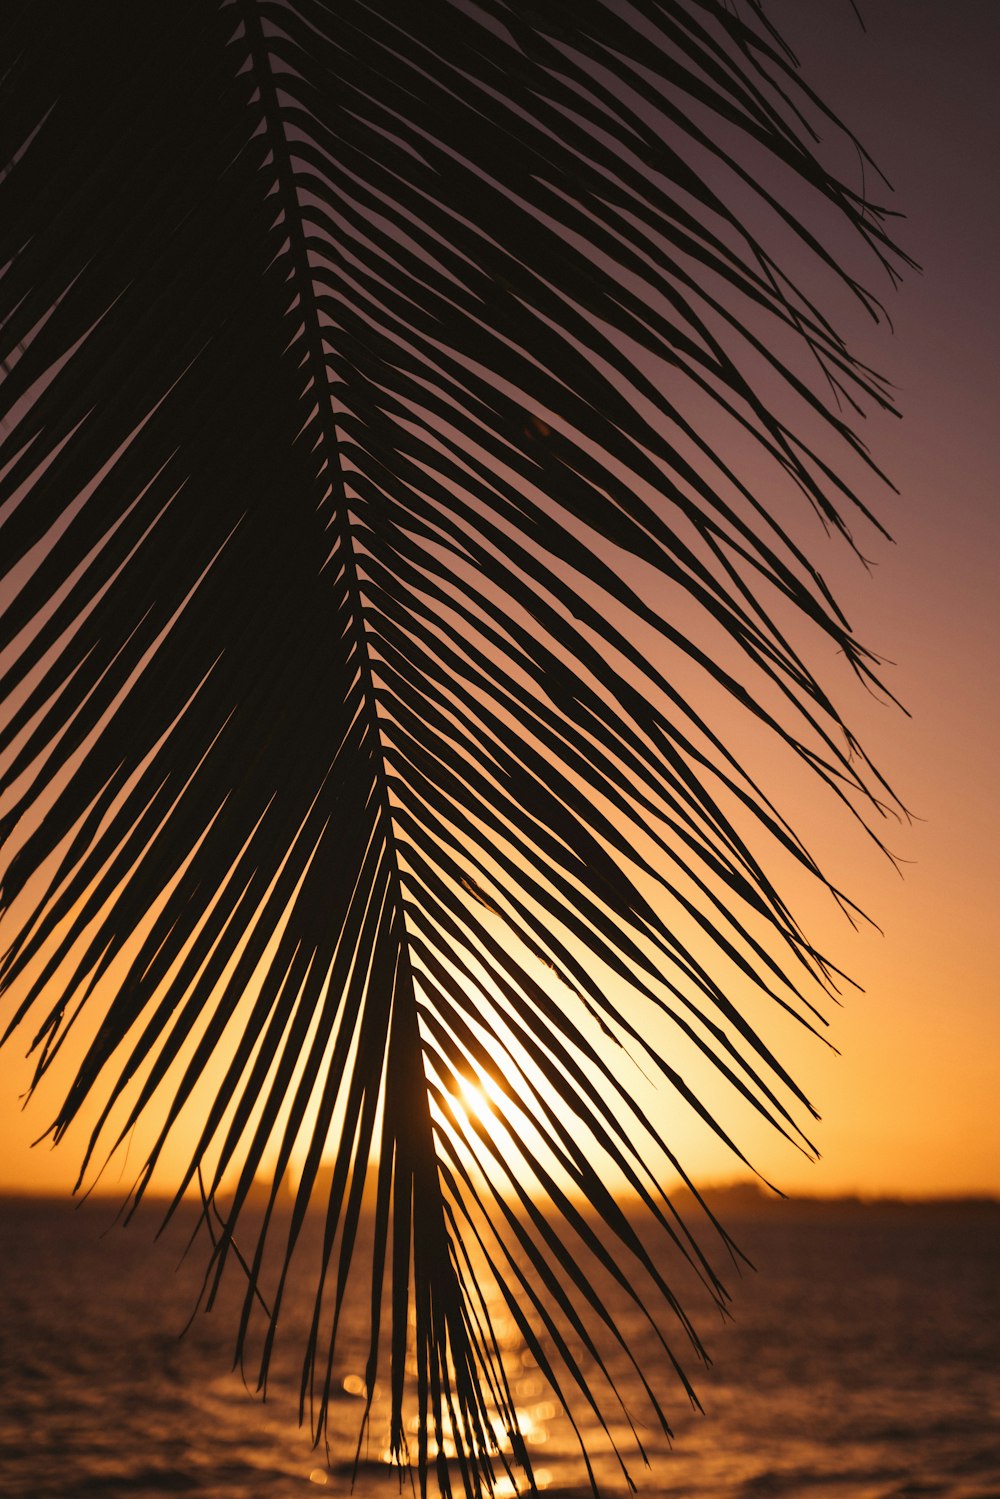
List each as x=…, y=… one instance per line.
x=395, y=401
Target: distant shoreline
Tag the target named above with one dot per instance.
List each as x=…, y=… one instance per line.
x=747, y=1199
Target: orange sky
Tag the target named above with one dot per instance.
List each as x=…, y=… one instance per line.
x=910, y=1106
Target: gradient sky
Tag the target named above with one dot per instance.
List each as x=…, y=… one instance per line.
x=911, y=1104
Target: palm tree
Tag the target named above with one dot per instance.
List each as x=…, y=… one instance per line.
x=396, y=402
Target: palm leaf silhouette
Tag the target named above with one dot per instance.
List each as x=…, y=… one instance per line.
x=369, y=519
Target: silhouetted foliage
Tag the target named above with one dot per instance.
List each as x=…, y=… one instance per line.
x=395, y=400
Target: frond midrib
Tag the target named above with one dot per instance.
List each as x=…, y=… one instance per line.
x=340, y=518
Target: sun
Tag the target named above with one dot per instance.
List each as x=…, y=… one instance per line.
x=480, y=1097
x=474, y=1112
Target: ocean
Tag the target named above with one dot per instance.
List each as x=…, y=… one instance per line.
x=863, y=1360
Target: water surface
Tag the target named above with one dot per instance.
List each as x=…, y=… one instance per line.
x=863, y=1361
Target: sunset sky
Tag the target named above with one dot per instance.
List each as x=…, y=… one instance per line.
x=910, y=1105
